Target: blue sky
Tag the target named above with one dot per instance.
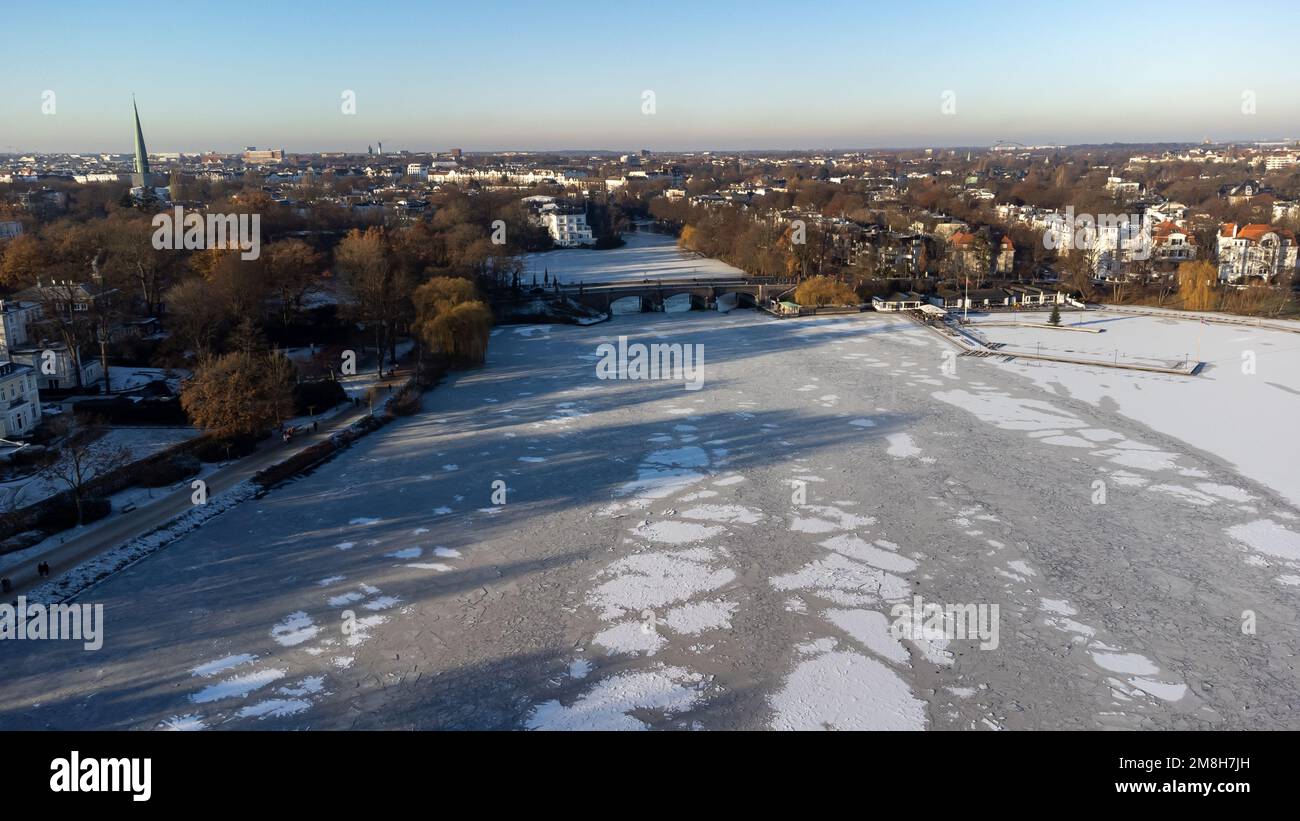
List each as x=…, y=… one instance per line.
x=543, y=75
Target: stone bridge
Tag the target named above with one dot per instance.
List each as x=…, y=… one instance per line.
x=654, y=294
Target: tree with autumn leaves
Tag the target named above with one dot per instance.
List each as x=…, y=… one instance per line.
x=824, y=291
x=377, y=288
x=451, y=319
x=1197, y=283
x=243, y=393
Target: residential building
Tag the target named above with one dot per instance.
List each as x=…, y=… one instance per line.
x=16, y=318
x=1123, y=189
x=64, y=296
x=1243, y=192
x=55, y=368
x=1006, y=258
x=20, y=401
x=1172, y=245
x=29, y=334
x=1278, y=162
x=253, y=156
x=1256, y=252
x=565, y=222
x=1282, y=210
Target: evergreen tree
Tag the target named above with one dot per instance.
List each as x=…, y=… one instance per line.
x=1055, y=318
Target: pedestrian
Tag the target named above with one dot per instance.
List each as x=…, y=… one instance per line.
x=5, y=586
x=315, y=425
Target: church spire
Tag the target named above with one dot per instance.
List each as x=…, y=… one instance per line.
x=141, y=155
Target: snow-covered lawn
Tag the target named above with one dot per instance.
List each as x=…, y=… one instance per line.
x=139, y=442
x=645, y=256
x=127, y=379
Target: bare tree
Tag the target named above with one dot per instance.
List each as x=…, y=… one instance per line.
x=378, y=291
x=294, y=270
x=195, y=315
x=84, y=456
x=60, y=317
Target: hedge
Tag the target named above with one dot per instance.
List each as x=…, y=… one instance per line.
x=122, y=411
x=317, y=396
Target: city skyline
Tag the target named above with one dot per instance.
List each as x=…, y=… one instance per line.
x=572, y=79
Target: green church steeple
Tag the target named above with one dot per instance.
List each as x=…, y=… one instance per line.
x=141, y=154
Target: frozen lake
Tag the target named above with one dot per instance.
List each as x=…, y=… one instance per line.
x=542, y=548
x=644, y=256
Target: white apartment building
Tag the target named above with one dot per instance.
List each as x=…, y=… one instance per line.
x=1166, y=212
x=513, y=176
x=1122, y=188
x=48, y=360
x=19, y=400
x=55, y=367
x=1277, y=162
x=1256, y=251
x=1110, y=245
x=566, y=225
x=99, y=177
x=16, y=317
x=1286, y=209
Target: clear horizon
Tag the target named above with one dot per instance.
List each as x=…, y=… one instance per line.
x=503, y=76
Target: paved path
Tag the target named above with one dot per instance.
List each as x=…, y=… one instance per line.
x=122, y=527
